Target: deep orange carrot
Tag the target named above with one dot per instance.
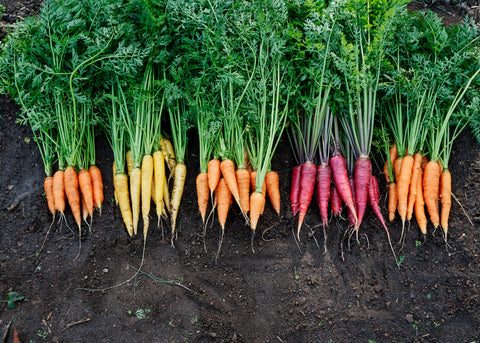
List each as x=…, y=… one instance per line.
x=59, y=191
x=48, y=188
x=242, y=176
x=73, y=195
x=224, y=199
x=397, y=166
x=431, y=180
x=403, y=185
x=202, y=194
x=213, y=171
x=446, y=198
x=257, y=203
x=228, y=171
x=392, y=200
x=412, y=193
x=273, y=189
x=419, y=206
x=253, y=181
x=97, y=186
x=85, y=184
x=393, y=157
x=84, y=208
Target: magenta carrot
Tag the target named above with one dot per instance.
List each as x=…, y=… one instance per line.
x=324, y=174
x=295, y=189
x=335, y=201
x=363, y=173
x=307, y=186
x=340, y=177
x=351, y=217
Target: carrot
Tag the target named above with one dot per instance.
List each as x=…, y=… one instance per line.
x=397, y=166
x=180, y=175
x=48, y=188
x=403, y=185
x=97, y=186
x=419, y=206
x=307, y=186
x=84, y=208
x=393, y=157
x=242, y=176
x=73, y=195
x=351, y=217
x=213, y=170
x=16, y=338
x=129, y=159
x=224, y=199
x=135, y=194
x=169, y=154
x=335, y=200
x=295, y=189
x=373, y=199
x=59, y=191
x=392, y=200
x=340, y=177
x=324, y=175
x=253, y=180
x=431, y=179
x=228, y=171
x=273, y=189
x=362, y=175
x=85, y=184
x=158, y=185
x=166, y=197
x=120, y=182
x=146, y=190
x=202, y=194
x=446, y=198
x=412, y=193
x=257, y=203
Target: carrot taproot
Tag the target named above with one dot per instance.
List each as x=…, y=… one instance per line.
x=412, y=193
x=48, y=188
x=114, y=171
x=362, y=174
x=84, y=208
x=227, y=168
x=340, y=177
x=86, y=189
x=120, y=183
x=135, y=177
x=323, y=180
x=351, y=217
x=97, y=186
x=419, y=206
x=72, y=192
x=242, y=176
x=169, y=154
x=214, y=173
x=179, y=177
x=253, y=181
x=392, y=200
x=146, y=190
x=273, y=189
x=446, y=199
x=202, y=194
x=166, y=197
x=129, y=161
x=59, y=191
x=335, y=201
x=307, y=187
x=257, y=203
x=403, y=185
x=431, y=180
x=16, y=338
x=397, y=166
x=295, y=189
x=223, y=200
x=158, y=185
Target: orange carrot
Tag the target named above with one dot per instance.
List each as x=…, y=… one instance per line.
x=243, y=182
x=393, y=157
x=273, y=189
x=84, y=208
x=412, y=193
x=403, y=185
x=48, y=188
x=73, y=195
x=224, y=199
x=392, y=200
x=253, y=181
x=419, y=205
x=97, y=186
x=228, y=171
x=257, y=203
x=446, y=198
x=85, y=184
x=431, y=180
x=213, y=170
x=59, y=191
x=202, y=194
x=16, y=338
x=397, y=166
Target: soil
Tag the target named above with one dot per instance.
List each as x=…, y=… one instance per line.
x=279, y=293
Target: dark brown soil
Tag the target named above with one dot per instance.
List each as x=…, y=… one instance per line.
x=277, y=294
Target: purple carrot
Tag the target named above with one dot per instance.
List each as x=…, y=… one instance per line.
x=307, y=186
x=295, y=189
